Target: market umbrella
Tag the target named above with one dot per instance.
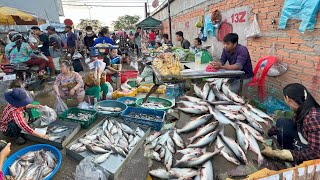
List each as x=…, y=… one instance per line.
x=13, y=16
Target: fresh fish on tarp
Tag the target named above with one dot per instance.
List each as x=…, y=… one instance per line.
x=233, y=116
x=135, y=140
x=178, y=140
x=233, y=108
x=194, y=100
x=256, y=117
x=218, y=83
x=206, y=89
x=215, y=103
x=170, y=145
x=198, y=161
x=101, y=158
x=54, y=138
x=161, y=173
x=259, y=112
x=253, y=145
x=220, y=117
x=118, y=150
x=184, y=173
x=139, y=132
x=127, y=129
x=204, y=130
x=110, y=126
x=226, y=152
x=207, y=172
x=81, y=149
x=96, y=149
x=219, y=95
x=198, y=91
x=91, y=137
x=162, y=152
x=194, y=110
x=211, y=96
x=105, y=125
x=156, y=156
x=251, y=120
x=85, y=141
x=190, y=156
x=59, y=130
x=206, y=140
x=168, y=159
x=188, y=104
x=252, y=131
x=242, y=139
x=236, y=149
x=191, y=150
x=194, y=124
x=231, y=95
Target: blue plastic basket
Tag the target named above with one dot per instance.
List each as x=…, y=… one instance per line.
x=36, y=147
x=155, y=125
x=110, y=103
x=123, y=99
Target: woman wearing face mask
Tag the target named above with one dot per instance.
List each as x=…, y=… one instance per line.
x=298, y=137
x=89, y=38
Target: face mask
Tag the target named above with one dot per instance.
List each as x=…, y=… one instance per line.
x=89, y=33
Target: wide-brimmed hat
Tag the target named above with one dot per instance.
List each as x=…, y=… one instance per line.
x=18, y=97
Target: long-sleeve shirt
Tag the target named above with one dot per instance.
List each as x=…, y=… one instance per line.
x=311, y=132
x=11, y=113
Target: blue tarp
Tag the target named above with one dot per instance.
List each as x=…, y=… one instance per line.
x=304, y=10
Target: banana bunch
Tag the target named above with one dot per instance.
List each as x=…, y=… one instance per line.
x=168, y=65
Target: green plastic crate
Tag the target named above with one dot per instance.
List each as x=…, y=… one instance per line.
x=84, y=124
x=35, y=114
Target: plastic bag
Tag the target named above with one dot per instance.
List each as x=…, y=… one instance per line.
x=279, y=67
x=32, y=39
x=98, y=65
x=253, y=31
x=76, y=55
x=60, y=106
x=86, y=170
x=47, y=115
x=181, y=54
x=110, y=91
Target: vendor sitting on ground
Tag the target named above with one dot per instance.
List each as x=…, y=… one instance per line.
x=69, y=84
x=113, y=66
x=239, y=59
x=158, y=44
x=300, y=136
x=94, y=86
x=12, y=120
x=197, y=45
x=146, y=76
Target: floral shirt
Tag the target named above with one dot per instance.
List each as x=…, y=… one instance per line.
x=66, y=83
x=16, y=56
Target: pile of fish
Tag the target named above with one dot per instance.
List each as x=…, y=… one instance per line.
x=128, y=101
x=33, y=165
x=108, y=109
x=153, y=105
x=80, y=116
x=54, y=133
x=145, y=116
x=112, y=137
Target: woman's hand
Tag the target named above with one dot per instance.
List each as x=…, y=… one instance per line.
x=72, y=91
x=43, y=136
x=6, y=151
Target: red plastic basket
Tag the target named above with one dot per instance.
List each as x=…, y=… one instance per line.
x=130, y=74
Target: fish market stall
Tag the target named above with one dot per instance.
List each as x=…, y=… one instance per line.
x=223, y=138
x=60, y=132
x=110, y=144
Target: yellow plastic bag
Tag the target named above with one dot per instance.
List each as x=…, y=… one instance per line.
x=199, y=24
x=118, y=93
x=145, y=88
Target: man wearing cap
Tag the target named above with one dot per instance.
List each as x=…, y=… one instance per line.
x=89, y=38
x=55, y=46
x=72, y=44
x=12, y=120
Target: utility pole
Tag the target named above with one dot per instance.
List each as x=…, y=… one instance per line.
x=146, y=9
x=170, y=30
x=89, y=8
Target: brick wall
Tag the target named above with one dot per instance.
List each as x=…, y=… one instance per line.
x=300, y=51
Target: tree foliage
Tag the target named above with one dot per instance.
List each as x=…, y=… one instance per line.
x=95, y=24
x=125, y=22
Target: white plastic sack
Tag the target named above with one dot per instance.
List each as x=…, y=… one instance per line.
x=86, y=170
x=47, y=115
x=60, y=106
x=32, y=39
x=98, y=65
x=76, y=55
x=84, y=105
x=253, y=30
x=110, y=91
x=279, y=67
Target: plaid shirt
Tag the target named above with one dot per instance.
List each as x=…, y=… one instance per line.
x=311, y=132
x=11, y=113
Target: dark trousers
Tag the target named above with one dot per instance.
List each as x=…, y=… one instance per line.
x=287, y=135
x=13, y=130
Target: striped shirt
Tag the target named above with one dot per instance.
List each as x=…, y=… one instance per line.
x=11, y=113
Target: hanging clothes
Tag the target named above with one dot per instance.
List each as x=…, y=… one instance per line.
x=304, y=10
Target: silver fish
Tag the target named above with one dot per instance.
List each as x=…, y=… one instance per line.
x=194, y=110
x=157, y=147
x=233, y=108
x=105, y=124
x=207, y=171
x=110, y=137
x=130, y=138
x=155, y=156
x=80, y=149
x=162, y=152
x=233, y=96
x=219, y=95
x=241, y=139
x=220, y=117
x=54, y=138
x=258, y=118
x=28, y=156
x=233, y=116
x=206, y=89
x=215, y=103
x=194, y=100
x=204, y=130
x=194, y=124
x=161, y=173
x=170, y=145
x=211, y=96
x=168, y=159
x=85, y=141
x=198, y=91
x=96, y=149
x=188, y=104
x=114, y=130
x=14, y=168
x=153, y=137
x=140, y=132
x=178, y=140
x=90, y=137
x=206, y=140
x=126, y=128
x=198, y=160
x=253, y=145
x=59, y=130
x=190, y=156
x=259, y=112
x=134, y=141
x=190, y=150
x=163, y=138
x=123, y=142
x=184, y=173
x=251, y=120
x=119, y=150
x=226, y=152
x=253, y=131
x=236, y=149
x=110, y=125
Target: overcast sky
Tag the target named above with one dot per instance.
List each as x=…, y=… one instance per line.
x=104, y=14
